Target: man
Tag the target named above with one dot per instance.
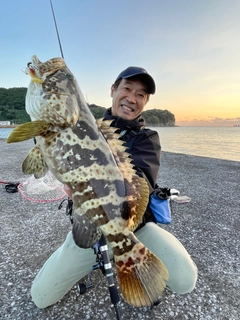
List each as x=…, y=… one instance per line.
x=69, y=263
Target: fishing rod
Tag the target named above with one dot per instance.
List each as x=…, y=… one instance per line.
x=55, y=22
x=100, y=248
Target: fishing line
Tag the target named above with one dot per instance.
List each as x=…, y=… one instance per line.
x=55, y=22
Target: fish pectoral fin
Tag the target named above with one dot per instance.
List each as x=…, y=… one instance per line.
x=28, y=131
x=142, y=276
x=34, y=163
x=85, y=232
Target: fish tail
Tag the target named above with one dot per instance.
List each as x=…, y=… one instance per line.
x=142, y=276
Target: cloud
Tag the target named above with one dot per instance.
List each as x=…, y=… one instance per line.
x=217, y=119
x=210, y=121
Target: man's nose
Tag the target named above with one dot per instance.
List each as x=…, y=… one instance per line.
x=131, y=97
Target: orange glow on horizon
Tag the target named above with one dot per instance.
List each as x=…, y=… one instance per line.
x=191, y=111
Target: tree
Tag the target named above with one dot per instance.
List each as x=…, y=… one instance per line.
x=12, y=105
x=160, y=118
x=97, y=111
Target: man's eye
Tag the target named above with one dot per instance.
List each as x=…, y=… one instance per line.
x=126, y=88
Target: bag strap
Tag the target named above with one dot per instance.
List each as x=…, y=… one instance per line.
x=126, y=135
x=162, y=193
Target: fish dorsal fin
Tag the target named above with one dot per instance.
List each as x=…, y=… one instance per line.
x=137, y=192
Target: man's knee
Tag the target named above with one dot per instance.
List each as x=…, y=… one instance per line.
x=185, y=283
x=37, y=298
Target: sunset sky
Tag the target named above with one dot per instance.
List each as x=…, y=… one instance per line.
x=191, y=48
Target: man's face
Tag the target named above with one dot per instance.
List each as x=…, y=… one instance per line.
x=129, y=99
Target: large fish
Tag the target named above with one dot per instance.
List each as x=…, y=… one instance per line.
x=87, y=155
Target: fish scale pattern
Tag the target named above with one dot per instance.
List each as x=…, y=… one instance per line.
x=87, y=155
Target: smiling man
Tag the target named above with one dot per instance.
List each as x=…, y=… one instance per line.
x=130, y=92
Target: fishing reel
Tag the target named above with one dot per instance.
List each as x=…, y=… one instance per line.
x=82, y=287
x=104, y=264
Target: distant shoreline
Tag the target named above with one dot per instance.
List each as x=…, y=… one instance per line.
x=9, y=126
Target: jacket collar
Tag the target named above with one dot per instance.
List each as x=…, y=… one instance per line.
x=136, y=124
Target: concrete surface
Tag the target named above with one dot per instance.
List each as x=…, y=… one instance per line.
x=208, y=227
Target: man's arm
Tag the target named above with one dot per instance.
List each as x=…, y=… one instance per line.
x=145, y=152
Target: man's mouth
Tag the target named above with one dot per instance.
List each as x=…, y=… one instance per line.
x=126, y=108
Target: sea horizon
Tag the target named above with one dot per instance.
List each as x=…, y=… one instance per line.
x=221, y=142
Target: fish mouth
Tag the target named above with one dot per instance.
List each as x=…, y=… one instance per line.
x=30, y=70
x=36, y=80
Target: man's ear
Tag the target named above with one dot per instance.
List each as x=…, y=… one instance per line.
x=112, y=90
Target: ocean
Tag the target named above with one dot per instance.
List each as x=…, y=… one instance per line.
x=212, y=142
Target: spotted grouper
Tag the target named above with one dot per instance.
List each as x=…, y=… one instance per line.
x=88, y=156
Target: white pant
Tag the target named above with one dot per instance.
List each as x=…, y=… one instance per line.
x=69, y=263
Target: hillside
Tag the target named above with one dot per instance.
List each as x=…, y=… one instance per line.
x=12, y=108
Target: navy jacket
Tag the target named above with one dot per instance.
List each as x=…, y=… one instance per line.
x=144, y=146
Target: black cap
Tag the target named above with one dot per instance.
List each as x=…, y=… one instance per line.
x=143, y=76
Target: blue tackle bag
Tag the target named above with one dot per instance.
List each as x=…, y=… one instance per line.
x=160, y=205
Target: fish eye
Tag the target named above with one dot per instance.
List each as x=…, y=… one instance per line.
x=30, y=65
x=69, y=76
